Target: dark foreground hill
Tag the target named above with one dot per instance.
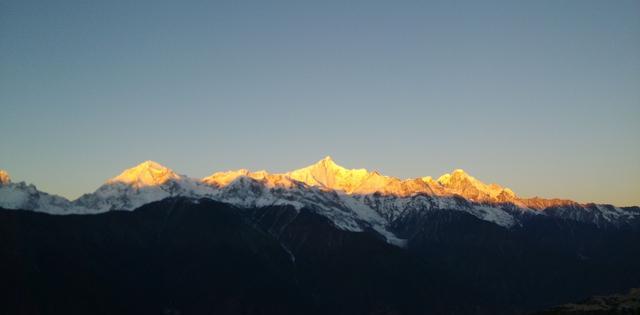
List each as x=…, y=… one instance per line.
x=178, y=256
x=615, y=304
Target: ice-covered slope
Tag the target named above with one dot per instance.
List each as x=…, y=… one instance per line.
x=23, y=196
x=147, y=182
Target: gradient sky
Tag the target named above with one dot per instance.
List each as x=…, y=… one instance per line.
x=540, y=96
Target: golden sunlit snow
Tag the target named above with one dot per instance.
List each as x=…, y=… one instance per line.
x=148, y=173
x=4, y=177
x=328, y=175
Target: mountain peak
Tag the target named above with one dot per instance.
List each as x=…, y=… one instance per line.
x=327, y=162
x=4, y=177
x=459, y=171
x=456, y=175
x=326, y=173
x=461, y=183
x=147, y=173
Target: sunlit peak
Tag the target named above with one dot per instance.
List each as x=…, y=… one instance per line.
x=222, y=179
x=4, y=177
x=147, y=173
x=444, y=179
x=327, y=161
x=326, y=174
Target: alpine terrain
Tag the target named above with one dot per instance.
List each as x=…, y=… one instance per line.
x=322, y=239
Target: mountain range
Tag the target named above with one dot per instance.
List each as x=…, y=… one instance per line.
x=322, y=239
x=353, y=199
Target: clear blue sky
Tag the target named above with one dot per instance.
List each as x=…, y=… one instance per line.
x=540, y=96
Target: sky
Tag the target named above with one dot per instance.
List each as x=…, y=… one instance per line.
x=539, y=96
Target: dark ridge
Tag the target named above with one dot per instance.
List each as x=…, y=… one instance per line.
x=184, y=256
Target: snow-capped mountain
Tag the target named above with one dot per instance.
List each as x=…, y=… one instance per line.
x=146, y=174
x=327, y=174
x=147, y=182
x=353, y=199
x=23, y=196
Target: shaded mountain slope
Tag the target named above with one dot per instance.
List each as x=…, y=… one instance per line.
x=185, y=256
x=172, y=257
